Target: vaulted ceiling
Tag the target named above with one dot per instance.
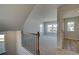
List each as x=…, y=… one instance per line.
x=12, y=17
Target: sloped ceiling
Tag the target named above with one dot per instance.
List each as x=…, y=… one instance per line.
x=41, y=13
x=44, y=11
x=12, y=17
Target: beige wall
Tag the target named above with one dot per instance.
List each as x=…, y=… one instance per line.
x=13, y=43
x=60, y=27
x=10, y=42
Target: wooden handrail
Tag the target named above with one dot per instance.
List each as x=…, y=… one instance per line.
x=38, y=50
x=37, y=41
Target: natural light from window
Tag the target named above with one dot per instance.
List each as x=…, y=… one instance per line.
x=70, y=26
x=1, y=37
x=41, y=27
x=52, y=27
x=49, y=28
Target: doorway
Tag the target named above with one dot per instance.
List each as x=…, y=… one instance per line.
x=71, y=34
x=2, y=44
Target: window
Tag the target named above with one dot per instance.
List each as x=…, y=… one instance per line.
x=1, y=37
x=49, y=28
x=70, y=26
x=41, y=27
x=52, y=28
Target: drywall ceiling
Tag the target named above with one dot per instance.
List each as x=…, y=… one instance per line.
x=12, y=17
x=45, y=11
x=70, y=10
x=41, y=13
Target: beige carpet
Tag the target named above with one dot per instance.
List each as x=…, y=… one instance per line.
x=58, y=51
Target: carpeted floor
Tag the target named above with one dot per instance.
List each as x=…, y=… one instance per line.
x=47, y=43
